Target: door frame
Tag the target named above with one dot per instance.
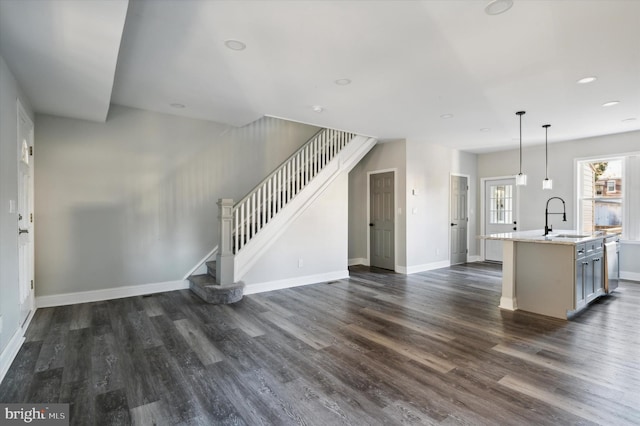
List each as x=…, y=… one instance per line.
x=450, y=196
x=22, y=114
x=483, y=184
x=395, y=214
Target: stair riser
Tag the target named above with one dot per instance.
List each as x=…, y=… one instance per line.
x=218, y=295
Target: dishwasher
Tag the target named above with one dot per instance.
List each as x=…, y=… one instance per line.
x=611, y=264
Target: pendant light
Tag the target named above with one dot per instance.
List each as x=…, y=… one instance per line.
x=521, y=179
x=546, y=183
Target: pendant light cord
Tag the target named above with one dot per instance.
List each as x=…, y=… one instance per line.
x=520, y=113
x=520, y=143
x=546, y=151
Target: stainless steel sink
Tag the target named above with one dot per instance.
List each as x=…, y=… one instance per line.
x=568, y=236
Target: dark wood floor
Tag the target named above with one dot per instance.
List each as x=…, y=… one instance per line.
x=378, y=348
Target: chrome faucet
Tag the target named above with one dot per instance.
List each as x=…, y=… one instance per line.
x=547, y=228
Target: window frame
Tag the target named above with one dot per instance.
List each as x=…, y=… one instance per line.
x=577, y=187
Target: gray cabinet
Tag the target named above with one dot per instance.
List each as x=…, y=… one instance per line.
x=589, y=266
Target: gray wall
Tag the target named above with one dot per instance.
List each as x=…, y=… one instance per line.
x=384, y=156
x=9, y=293
x=133, y=200
x=429, y=167
x=423, y=220
x=562, y=156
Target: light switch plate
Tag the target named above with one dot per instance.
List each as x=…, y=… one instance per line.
x=12, y=206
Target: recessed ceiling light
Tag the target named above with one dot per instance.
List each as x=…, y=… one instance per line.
x=445, y=116
x=317, y=108
x=485, y=129
x=628, y=120
x=235, y=44
x=178, y=106
x=496, y=7
x=611, y=103
x=342, y=81
x=586, y=80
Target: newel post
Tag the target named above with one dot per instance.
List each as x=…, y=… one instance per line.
x=224, y=258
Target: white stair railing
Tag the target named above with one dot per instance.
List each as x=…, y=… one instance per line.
x=270, y=196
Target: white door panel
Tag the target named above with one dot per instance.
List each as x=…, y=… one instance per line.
x=500, y=215
x=25, y=226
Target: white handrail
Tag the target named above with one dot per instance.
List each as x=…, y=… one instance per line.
x=271, y=195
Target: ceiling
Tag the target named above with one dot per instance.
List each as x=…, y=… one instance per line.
x=409, y=62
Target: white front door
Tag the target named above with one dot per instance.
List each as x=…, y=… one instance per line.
x=25, y=214
x=500, y=215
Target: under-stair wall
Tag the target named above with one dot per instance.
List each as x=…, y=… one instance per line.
x=354, y=148
x=312, y=249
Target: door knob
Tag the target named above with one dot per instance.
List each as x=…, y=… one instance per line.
x=453, y=224
x=515, y=228
x=371, y=224
x=22, y=231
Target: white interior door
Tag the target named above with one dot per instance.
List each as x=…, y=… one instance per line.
x=500, y=215
x=459, y=221
x=25, y=214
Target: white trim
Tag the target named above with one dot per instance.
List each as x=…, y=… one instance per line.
x=423, y=268
x=358, y=261
x=208, y=257
x=630, y=276
x=10, y=351
x=394, y=170
x=13, y=347
x=109, y=293
x=295, y=282
x=468, y=177
x=474, y=259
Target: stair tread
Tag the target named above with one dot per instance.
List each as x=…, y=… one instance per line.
x=204, y=279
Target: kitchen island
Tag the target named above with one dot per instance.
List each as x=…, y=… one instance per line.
x=554, y=275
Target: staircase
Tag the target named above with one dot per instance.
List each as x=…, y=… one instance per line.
x=248, y=227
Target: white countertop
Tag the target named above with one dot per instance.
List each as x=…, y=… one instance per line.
x=562, y=236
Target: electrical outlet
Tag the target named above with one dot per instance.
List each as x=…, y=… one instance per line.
x=300, y=263
x=437, y=252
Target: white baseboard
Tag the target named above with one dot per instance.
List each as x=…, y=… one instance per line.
x=422, y=268
x=13, y=347
x=630, y=276
x=508, y=303
x=358, y=261
x=109, y=293
x=295, y=282
x=474, y=258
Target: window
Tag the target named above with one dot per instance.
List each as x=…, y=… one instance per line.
x=601, y=195
x=501, y=204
